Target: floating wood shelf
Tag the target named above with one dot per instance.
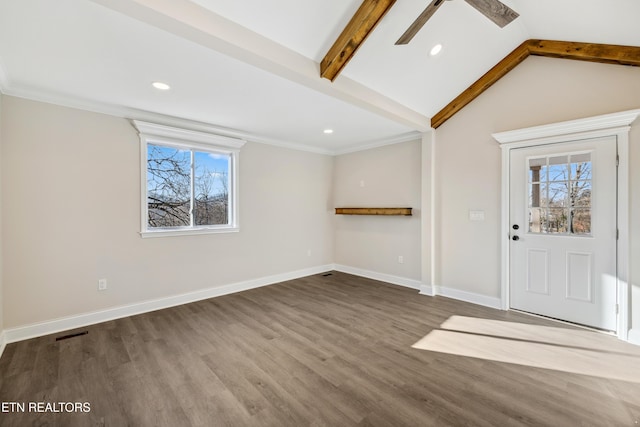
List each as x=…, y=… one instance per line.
x=374, y=211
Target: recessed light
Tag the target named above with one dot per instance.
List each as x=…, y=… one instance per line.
x=435, y=50
x=328, y=131
x=161, y=86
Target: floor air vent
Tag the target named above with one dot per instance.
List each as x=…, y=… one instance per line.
x=77, y=334
x=327, y=274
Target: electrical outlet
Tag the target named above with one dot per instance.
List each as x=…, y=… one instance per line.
x=102, y=284
x=400, y=259
x=362, y=183
x=308, y=252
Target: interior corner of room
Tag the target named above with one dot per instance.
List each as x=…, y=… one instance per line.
x=464, y=190
x=450, y=177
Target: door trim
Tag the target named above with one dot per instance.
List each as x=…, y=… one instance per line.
x=617, y=125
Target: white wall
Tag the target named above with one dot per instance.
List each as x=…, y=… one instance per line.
x=391, y=177
x=538, y=91
x=71, y=215
x=58, y=250
x=1, y=240
x=634, y=218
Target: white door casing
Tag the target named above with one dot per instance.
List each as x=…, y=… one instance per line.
x=563, y=231
x=616, y=124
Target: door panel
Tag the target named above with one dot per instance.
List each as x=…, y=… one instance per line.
x=563, y=218
x=579, y=282
x=537, y=271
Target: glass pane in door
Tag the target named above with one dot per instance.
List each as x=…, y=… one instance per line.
x=560, y=191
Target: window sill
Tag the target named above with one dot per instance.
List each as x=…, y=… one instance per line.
x=188, y=232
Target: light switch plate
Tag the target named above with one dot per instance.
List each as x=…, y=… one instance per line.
x=476, y=215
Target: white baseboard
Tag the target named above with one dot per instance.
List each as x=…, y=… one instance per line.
x=427, y=290
x=424, y=289
x=634, y=336
x=81, y=320
x=466, y=296
x=389, y=278
x=3, y=342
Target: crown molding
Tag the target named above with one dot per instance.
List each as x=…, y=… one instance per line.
x=162, y=119
x=406, y=137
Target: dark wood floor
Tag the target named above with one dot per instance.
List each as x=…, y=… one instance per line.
x=325, y=351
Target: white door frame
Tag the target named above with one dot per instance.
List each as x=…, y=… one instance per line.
x=618, y=125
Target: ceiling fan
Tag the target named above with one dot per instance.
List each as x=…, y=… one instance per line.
x=495, y=10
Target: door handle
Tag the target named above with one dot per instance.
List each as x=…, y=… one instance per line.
x=516, y=226
x=516, y=238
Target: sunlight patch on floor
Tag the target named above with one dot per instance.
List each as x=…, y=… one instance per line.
x=562, y=349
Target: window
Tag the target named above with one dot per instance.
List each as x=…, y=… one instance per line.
x=560, y=194
x=189, y=181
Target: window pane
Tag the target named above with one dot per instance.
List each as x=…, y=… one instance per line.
x=537, y=220
x=211, y=193
x=544, y=195
x=558, y=194
x=581, y=194
x=535, y=166
x=581, y=221
x=534, y=195
x=168, y=186
x=581, y=171
x=557, y=221
x=581, y=157
x=557, y=169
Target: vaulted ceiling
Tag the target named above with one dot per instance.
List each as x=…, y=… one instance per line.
x=252, y=67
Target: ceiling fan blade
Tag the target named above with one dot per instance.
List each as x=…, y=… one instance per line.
x=495, y=10
x=419, y=22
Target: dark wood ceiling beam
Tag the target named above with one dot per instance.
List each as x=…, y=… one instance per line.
x=483, y=83
x=354, y=34
x=592, y=52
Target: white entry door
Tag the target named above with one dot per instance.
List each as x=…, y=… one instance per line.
x=563, y=231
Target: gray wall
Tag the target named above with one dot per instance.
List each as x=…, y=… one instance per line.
x=71, y=215
x=391, y=178
x=1, y=228
x=468, y=160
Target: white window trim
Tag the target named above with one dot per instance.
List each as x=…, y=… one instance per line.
x=151, y=133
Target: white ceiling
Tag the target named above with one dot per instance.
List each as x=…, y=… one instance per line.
x=250, y=67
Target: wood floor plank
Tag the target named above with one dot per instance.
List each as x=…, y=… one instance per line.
x=335, y=350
